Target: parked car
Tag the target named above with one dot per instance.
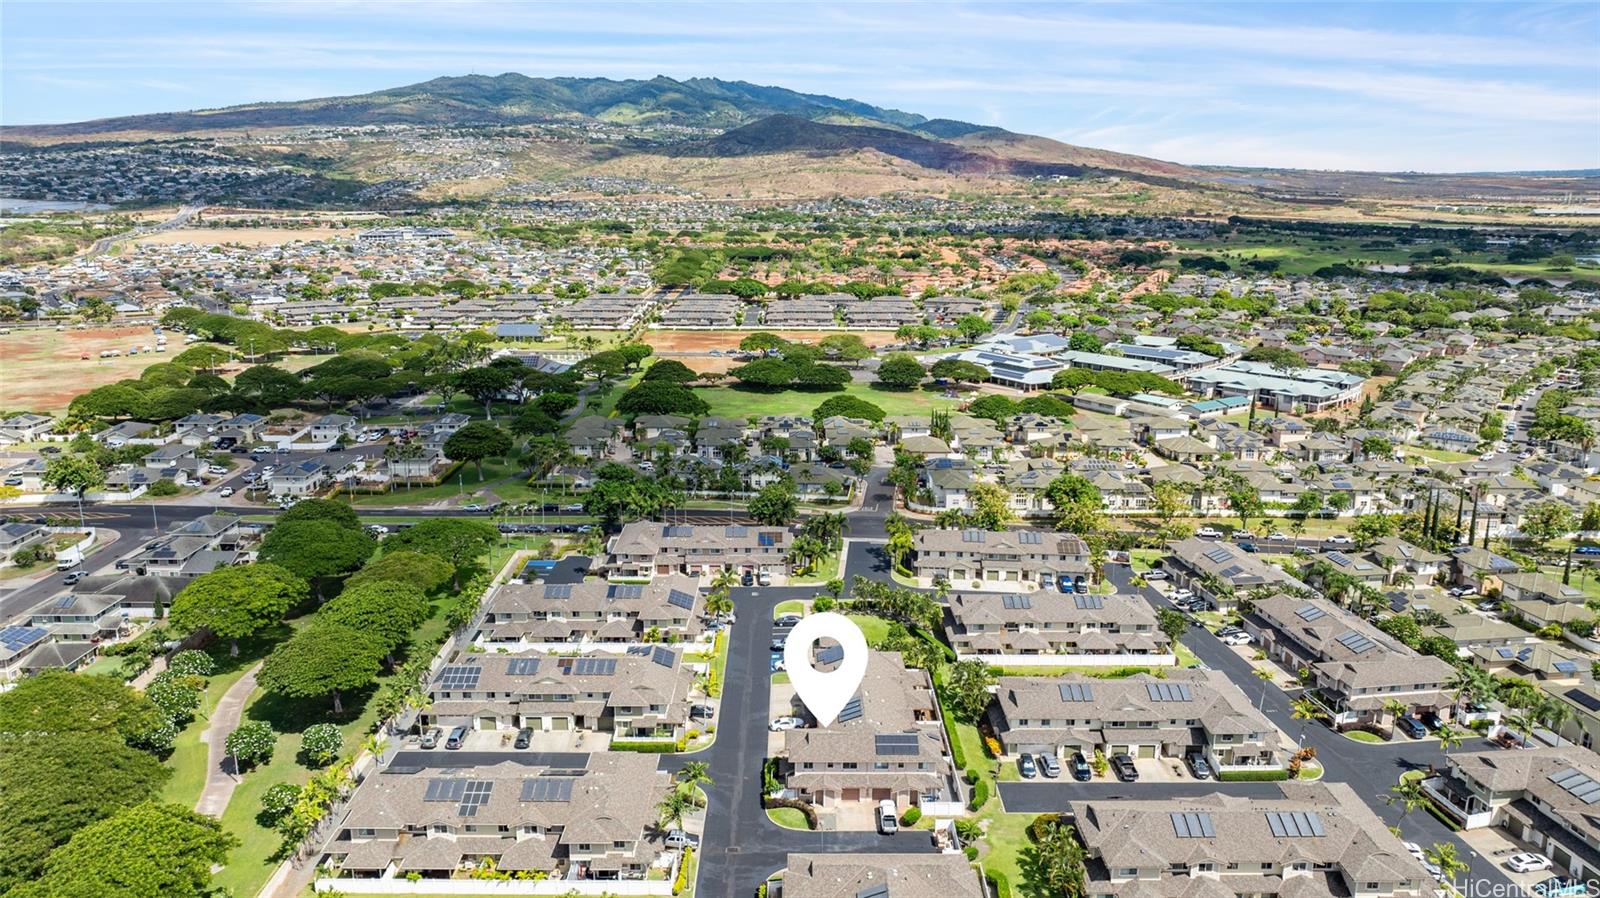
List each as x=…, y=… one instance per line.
x=1339, y=539
x=1237, y=639
x=786, y=723
x=1248, y=547
x=1026, y=767
x=1229, y=631
x=430, y=738
x=1122, y=766
x=74, y=577
x=1198, y=766
x=677, y=838
x=764, y=579
x=1411, y=727
x=787, y=619
x=748, y=579
x=1179, y=595
x=1049, y=766
x=457, y=738
x=225, y=492
x=1155, y=575
x=888, y=818
x=524, y=737
x=702, y=712
x=777, y=645
x=1278, y=536
x=1527, y=862
x=1489, y=605
x=1208, y=533
x=1413, y=849
x=1081, y=771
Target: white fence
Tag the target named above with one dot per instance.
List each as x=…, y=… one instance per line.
x=495, y=886
x=942, y=808
x=1070, y=660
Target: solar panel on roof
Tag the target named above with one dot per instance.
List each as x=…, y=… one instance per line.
x=972, y=536
x=1030, y=538
x=830, y=654
x=680, y=599
x=851, y=710
x=66, y=601
x=677, y=531
x=1295, y=824
x=895, y=743
x=1076, y=692
x=594, y=667
x=475, y=795
x=1339, y=558
x=1310, y=613
x=445, y=790
x=21, y=637
x=1566, y=667
x=624, y=591
x=1192, y=825
x=734, y=531
x=1015, y=602
x=663, y=656
x=461, y=676
x=1578, y=784
x=558, y=591
x=1088, y=603
x=1356, y=642
x=1218, y=555
x=766, y=540
x=547, y=788
x=1169, y=692
x=1583, y=698
x=1525, y=654
x=522, y=667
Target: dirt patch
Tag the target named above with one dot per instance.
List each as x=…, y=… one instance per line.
x=728, y=341
x=243, y=236
x=44, y=368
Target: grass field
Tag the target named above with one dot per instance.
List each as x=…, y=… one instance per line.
x=1304, y=255
x=732, y=402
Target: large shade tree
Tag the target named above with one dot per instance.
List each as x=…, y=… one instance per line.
x=235, y=602
x=385, y=609
x=457, y=541
x=323, y=659
x=318, y=550
x=149, y=850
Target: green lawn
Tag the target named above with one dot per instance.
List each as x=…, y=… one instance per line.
x=254, y=860
x=1583, y=577
x=506, y=480
x=190, y=756
x=826, y=569
x=790, y=818
x=737, y=403
x=1432, y=454
x=1363, y=736
x=874, y=628
x=792, y=606
x=1007, y=839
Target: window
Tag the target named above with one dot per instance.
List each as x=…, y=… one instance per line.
x=1128, y=871
x=1206, y=867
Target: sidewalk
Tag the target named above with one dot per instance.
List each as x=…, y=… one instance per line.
x=221, y=778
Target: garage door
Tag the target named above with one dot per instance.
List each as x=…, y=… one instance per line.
x=560, y=723
x=881, y=794
x=850, y=795
x=488, y=722
x=1147, y=751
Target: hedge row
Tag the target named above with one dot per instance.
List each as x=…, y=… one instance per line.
x=803, y=807
x=658, y=747
x=980, y=795
x=1000, y=883
x=1252, y=776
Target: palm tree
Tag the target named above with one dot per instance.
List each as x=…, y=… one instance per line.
x=725, y=579
x=1524, y=723
x=1408, y=794
x=1451, y=737
x=1395, y=709
x=1264, y=674
x=719, y=602
x=1555, y=714
x=674, y=808
x=1443, y=855
x=1304, y=710
x=1404, y=579
x=694, y=773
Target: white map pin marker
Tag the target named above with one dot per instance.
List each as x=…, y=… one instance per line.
x=825, y=694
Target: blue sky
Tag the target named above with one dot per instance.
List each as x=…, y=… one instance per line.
x=1427, y=86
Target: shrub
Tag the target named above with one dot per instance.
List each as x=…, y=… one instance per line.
x=193, y=662
x=656, y=747
x=992, y=746
x=321, y=743
x=971, y=851
x=1042, y=824
x=279, y=800
x=683, y=871
x=911, y=816
x=972, y=777
x=980, y=795
x=1001, y=884
x=252, y=743
x=810, y=812
x=176, y=696
x=163, y=487
x=956, y=754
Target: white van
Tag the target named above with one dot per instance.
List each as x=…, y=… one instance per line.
x=888, y=819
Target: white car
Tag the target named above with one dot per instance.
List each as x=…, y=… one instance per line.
x=1339, y=539
x=216, y=469
x=225, y=492
x=1413, y=849
x=1237, y=639
x=1208, y=533
x=1527, y=862
x=1278, y=536
x=1178, y=594
x=786, y=723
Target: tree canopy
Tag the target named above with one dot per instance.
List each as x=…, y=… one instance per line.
x=149, y=850
x=316, y=550
x=662, y=397
x=321, y=659
x=385, y=609
x=57, y=701
x=234, y=602
x=425, y=571
x=901, y=371
x=321, y=510
x=457, y=541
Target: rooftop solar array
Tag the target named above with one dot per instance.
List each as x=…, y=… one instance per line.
x=972, y=536
x=1232, y=570
x=830, y=654
x=1310, y=613
x=624, y=591
x=680, y=599
x=851, y=710
x=677, y=531
x=1014, y=601
x=558, y=591
x=594, y=667
x=1339, y=558
x=1169, y=692
x=895, y=743
x=15, y=638
x=663, y=656
x=1030, y=538
x=1356, y=642
x=766, y=540
x=1087, y=602
x=1578, y=784
x=1566, y=667
x=1295, y=824
x=1192, y=825
x=460, y=676
x=547, y=788
x=1076, y=692
x=522, y=667
x=1218, y=555
x=476, y=795
x=1586, y=699
x=734, y=531
x=445, y=790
